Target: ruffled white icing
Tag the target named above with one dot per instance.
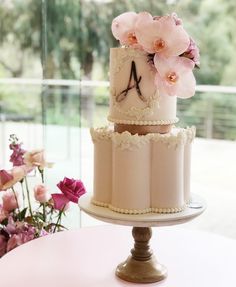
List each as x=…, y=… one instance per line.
x=103, y=133
x=143, y=123
x=125, y=140
x=128, y=141
x=139, y=211
x=175, y=138
x=190, y=134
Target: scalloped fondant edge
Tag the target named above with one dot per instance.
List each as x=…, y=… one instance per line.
x=138, y=211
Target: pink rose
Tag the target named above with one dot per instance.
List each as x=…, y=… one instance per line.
x=10, y=201
x=71, y=188
x=36, y=158
x=3, y=245
x=41, y=193
x=60, y=202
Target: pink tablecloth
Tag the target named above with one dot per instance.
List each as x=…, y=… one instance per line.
x=88, y=258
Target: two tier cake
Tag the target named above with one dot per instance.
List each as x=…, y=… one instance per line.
x=142, y=164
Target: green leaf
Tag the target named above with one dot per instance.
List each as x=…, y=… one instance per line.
x=39, y=215
x=21, y=215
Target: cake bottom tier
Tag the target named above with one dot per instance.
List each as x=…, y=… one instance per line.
x=136, y=174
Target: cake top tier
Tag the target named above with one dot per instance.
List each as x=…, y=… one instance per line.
x=170, y=51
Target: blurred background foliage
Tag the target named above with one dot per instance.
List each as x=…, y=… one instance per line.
x=70, y=39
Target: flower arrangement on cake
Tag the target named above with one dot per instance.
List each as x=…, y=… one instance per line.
x=27, y=214
x=170, y=50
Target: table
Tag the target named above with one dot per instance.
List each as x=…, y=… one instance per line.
x=87, y=258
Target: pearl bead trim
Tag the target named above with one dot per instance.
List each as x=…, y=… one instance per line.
x=143, y=123
x=139, y=211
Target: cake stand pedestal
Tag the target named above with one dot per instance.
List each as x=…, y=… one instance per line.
x=142, y=266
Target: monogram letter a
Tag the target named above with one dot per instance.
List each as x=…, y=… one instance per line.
x=124, y=93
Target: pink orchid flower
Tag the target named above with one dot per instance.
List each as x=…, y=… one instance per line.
x=163, y=35
x=174, y=76
x=123, y=28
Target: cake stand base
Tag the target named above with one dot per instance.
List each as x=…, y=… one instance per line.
x=141, y=266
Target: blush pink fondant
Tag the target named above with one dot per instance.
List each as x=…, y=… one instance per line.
x=147, y=173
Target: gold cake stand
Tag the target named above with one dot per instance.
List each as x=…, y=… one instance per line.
x=142, y=266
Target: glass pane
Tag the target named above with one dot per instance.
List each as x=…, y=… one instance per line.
x=61, y=93
x=20, y=76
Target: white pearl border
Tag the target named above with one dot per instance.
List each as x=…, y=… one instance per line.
x=143, y=123
x=138, y=211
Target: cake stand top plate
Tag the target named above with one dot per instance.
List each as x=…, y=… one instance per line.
x=196, y=207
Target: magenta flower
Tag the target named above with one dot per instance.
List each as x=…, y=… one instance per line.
x=71, y=188
x=60, y=201
x=123, y=28
x=17, y=155
x=163, y=35
x=174, y=76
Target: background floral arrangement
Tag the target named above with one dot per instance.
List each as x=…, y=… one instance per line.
x=170, y=50
x=21, y=218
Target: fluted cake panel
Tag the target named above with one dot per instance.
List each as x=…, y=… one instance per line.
x=140, y=174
